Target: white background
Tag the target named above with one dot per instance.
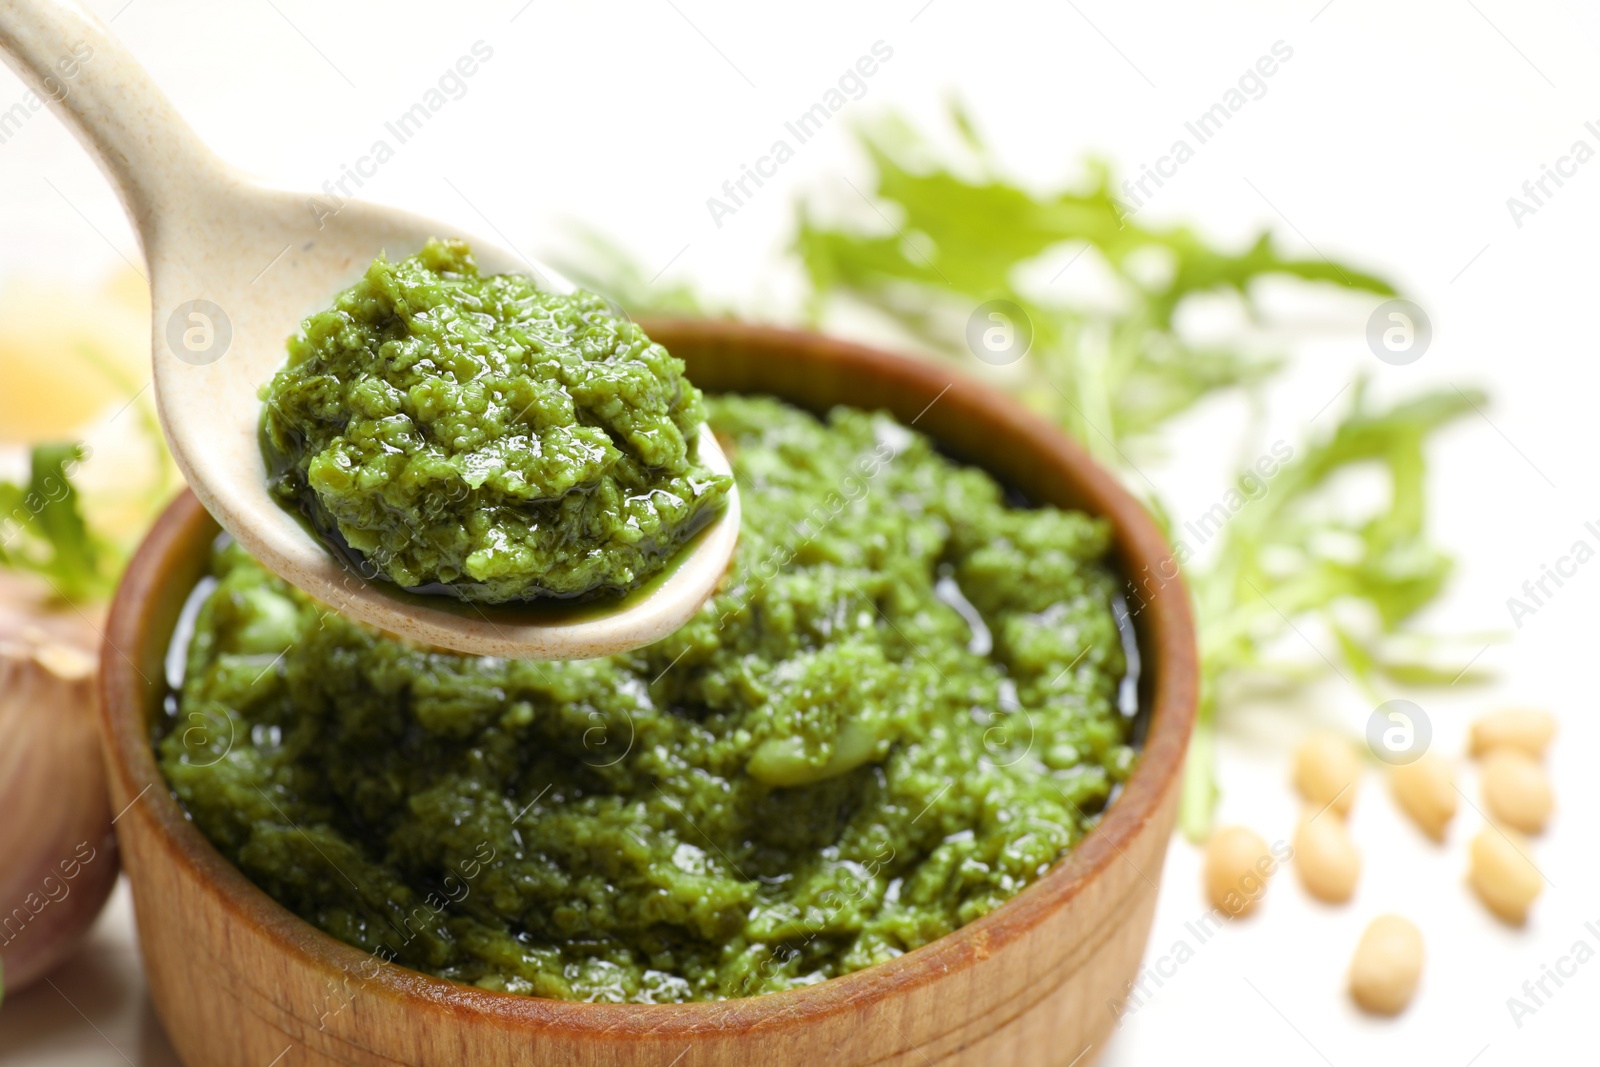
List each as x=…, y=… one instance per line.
x=1392, y=139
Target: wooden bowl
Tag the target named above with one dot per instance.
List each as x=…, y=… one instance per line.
x=238, y=979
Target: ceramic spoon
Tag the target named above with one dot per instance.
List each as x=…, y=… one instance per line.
x=233, y=268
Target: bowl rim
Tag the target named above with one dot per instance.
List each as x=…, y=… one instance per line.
x=1167, y=642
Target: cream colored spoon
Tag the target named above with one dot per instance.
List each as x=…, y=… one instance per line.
x=233, y=268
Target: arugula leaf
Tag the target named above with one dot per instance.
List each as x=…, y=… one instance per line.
x=1284, y=560
x=950, y=235
x=947, y=232
x=42, y=528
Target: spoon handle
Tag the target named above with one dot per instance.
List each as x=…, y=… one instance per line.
x=71, y=61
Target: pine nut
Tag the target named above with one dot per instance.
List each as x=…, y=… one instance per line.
x=1326, y=857
x=1425, y=789
x=1516, y=790
x=1527, y=729
x=1505, y=879
x=1326, y=769
x=1237, y=866
x=1387, y=965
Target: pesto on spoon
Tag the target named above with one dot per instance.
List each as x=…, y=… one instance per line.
x=482, y=438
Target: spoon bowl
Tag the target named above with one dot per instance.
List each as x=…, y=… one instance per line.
x=233, y=269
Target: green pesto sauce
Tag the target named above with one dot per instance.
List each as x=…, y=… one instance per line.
x=480, y=437
x=900, y=710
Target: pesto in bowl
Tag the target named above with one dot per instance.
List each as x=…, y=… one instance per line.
x=909, y=700
x=480, y=437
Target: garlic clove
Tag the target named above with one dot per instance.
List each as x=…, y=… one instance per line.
x=60, y=855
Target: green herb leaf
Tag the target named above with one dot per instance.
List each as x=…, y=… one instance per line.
x=42, y=529
x=944, y=237
x=946, y=232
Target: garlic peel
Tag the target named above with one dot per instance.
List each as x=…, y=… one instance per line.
x=60, y=858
